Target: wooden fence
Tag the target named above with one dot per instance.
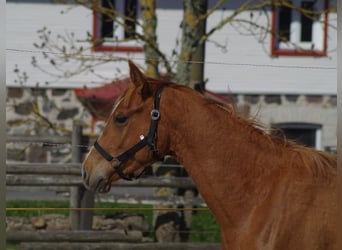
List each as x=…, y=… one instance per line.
x=42, y=174
x=101, y=240
x=68, y=177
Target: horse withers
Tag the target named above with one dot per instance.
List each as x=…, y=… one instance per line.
x=265, y=192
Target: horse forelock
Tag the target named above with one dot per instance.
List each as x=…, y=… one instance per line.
x=116, y=104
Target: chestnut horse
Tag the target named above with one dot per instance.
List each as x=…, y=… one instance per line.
x=264, y=191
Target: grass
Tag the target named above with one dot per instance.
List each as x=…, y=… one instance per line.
x=35, y=204
x=12, y=246
x=203, y=228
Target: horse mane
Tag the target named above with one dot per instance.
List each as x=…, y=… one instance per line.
x=317, y=163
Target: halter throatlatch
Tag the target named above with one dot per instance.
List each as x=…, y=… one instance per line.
x=150, y=140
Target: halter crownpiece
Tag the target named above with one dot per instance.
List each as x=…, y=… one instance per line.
x=150, y=140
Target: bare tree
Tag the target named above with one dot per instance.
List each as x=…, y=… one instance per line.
x=192, y=30
x=149, y=25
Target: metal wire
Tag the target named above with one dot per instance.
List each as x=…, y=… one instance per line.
x=104, y=209
x=194, y=62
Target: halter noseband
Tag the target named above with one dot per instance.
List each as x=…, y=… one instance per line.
x=150, y=140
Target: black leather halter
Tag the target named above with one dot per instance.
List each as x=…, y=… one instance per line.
x=150, y=140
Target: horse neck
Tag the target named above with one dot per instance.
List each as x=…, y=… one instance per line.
x=208, y=134
x=215, y=148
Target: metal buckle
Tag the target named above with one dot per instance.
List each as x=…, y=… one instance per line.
x=155, y=114
x=115, y=160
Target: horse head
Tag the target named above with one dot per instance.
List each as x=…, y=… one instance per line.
x=131, y=138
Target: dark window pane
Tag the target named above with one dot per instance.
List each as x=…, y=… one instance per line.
x=306, y=21
x=284, y=22
x=107, y=29
x=302, y=133
x=306, y=137
x=131, y=14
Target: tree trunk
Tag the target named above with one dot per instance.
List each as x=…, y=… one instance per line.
x=192, y=30
x=149, y=24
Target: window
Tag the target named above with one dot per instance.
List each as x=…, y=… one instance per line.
x=298, y=31
x=115, y=25
x=303, y=133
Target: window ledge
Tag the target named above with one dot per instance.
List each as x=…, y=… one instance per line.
x=124, y=49
x=284, y=52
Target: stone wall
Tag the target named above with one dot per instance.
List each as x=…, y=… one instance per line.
x=32, y=111
x=303, y=109
x=58, y=222
x=42, y=112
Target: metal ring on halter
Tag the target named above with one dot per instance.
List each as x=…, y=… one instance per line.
x=115, y=160
x=155, y=114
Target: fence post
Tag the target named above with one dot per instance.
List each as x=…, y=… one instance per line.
x=75, y=199
x=87, y=200
x=82, y=198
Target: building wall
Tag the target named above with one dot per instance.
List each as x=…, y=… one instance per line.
x=305, y=109
x=243, y=65
x=28, y=109
x=42, y=112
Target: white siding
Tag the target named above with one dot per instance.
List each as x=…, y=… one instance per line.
x=22, y=22
x=245, y=66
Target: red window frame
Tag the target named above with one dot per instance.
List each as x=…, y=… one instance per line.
x=275, y=51
x=100, y=47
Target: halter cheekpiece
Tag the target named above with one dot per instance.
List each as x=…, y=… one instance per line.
x=149, y=140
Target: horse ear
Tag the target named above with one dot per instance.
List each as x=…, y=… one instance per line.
x=139, y=80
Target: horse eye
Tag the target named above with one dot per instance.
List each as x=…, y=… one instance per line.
x=120, y=119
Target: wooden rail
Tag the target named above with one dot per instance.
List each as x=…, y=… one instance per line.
x=44, y=168
x=35, y=139
x=75, y=236
x=101, y=240
x=119, y=246
x=38, y=174
x=70, y=180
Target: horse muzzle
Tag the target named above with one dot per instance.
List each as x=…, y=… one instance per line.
x=97, y=181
